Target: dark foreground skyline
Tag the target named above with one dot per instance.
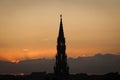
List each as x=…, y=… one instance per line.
x=44, y=76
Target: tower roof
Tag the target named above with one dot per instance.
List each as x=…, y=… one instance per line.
x=61, y=32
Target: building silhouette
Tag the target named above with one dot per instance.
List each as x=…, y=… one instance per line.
x=61, y=66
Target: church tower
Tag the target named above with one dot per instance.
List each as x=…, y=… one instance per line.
x=61, y=66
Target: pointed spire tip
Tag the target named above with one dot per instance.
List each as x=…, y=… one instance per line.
x=61, y=16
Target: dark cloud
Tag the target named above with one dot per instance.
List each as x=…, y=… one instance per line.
x=95, y=64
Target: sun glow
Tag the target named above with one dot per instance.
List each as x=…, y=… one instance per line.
x=27, y=31
x=15, y=61
x=18, y=55
x=21, y=74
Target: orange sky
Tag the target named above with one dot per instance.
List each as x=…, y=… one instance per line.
x=29, y=28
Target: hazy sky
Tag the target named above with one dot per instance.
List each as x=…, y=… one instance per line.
x=29, y=28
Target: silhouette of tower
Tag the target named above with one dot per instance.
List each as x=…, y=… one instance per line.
x=61, y=67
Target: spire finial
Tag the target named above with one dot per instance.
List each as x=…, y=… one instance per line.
x=60, y=16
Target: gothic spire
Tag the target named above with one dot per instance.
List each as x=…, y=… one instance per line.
x=61, y=66
x=61, y=32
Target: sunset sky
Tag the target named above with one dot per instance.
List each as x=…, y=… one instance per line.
x=29, y=28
